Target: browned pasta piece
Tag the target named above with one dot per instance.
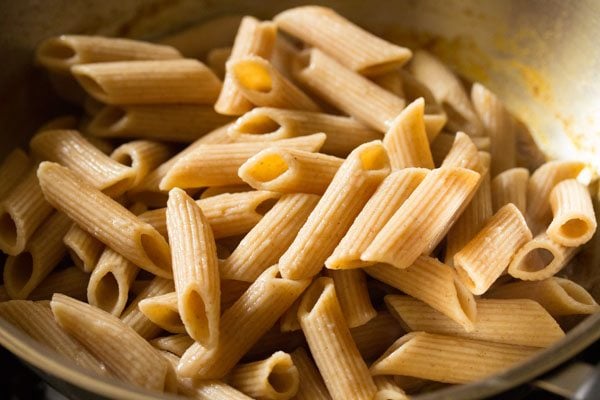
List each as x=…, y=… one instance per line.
x=376, y=335
x=163, y=311
x=311, y=385
x=216, y=59
x=13, y=168
x=510, y=186
x=574, y=221
x=84, y=249
x=353, y=295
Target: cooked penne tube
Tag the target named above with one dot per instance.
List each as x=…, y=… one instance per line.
x=258, y=251
x=22, y=211
x=149, y=82
x=275, y=378
x=559, y=296
x=275, y=340
x=514, y=321
x=70, y=281
x=447, y=358
x=388, y=389
x=168, y=122
x=195, y=268
x=228, y=214
x=351, y=45
x=441, y=197
x=12, y=170
x=311, y=385
x=261, y=84
x=62, y=52
x=110, y=281
x=362, y=99
x=218, y=164
x=289, y=320
x=344, y=371
x=218, y=190
x=390, y=81
x=284, y=54
x=353, y=296
x=289, y=171
x=176, y=344
x=510, y=186
x=540, y=258
x=485, y=257
x=406, y=140
x=163, y=311
x=112, y=342
x=25, y=271
x=133, y=317
x=72, y=150
x=463, y=153
x=574, y=221
x=434, y=283
x=353, y=184
x=242, y=325
x=267, y=124
x=216, y=59
x=142, y=156
x=84, y=249
x=388, y=197
x=541, y=183
x=500, y=127
x=376, y=335
x=105, y=219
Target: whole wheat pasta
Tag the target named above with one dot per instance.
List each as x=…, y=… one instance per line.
x=388, y=197
x=72, y=150
x=353, y=184
x=275, y=378
x=353, y=296
x=351, y=45
x=231, y=291
x=447, y=358
x=540, y=258
x=195, y=268
x=62, y=122
x=362, y=99
x=266, y=124
x=149, y=82
x=84, y=249
x=257, y=251
x=25, y=271
x=218, y=190
x=289, y=320
x=406, y=140
x=105, y=219
x=168, y=122
x=70, y=281
x=218, y=164
x=311, y=385
x=112, y=342
x=514, y=321
x=463, y=153
x=376, y=335
x=510, y=186
x=500, y=127
x=163, y=311
x=275, y=340
x=253, y=38
x=574, y=221
x=133, y=317
x=345, y=373
x=242, y=325
x=175, y=344
x=559, y=296
x=388, y=389
x=142, y=156
x=12, y=170
x=289, y=170
x=424, y=218
x=541, y=183
x=216, y=59
x=390, y=81
x=109, y=284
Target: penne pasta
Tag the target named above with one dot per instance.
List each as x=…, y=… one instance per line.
x=163, y=311
x=134, y=318
x=216, y=59
x=12, y=170
x=176, y=344
x=463, y=153
x=84, y=249
x=289, y=321
x=388, y=389
x=390, y=81
x=284, y=54
x=62, y=122
x=70, y=281
x=218, y=190
x=353, y=296
x=311, y=385
x=354, y=183
x=510, y=186
x=376, y=335
x=574, y=221
x=142, y=156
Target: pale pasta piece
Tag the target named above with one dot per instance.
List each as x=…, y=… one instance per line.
x=163, y=311
x=406, y=140
x=574, y=221
x=424, y=218
x=25, y=271
x=344, y=371
x=354, y=183
x=353, y=296
x=447, y=358
x=559, y=296
x=253, y=38
x=242, y=325
x=311, y=385
x=388, y=389
x=388, y=197
x=112, y=342
x=84, y=249
x=142, y=156
x=168, y=122
x=390, y=81
x=376, y=335
x=110, y=281
x=344, y=134
x=275, y=378
x=514, y=321
x=62, y=122
x=149, y=82
x=195, y=268
x=510, y=186
x=176, y=344
x=218, y=164
x=463, y=153
x=105, y=219
x=70, y=281
x=289, y=170
x=218, y=190
x=351, y=45
x=72, y=150
x=541, y=183
x=12, y=170
x=216, y=59
x=133, y=317
x=540, y=258
x=362, y=99
x=270, y=238
x=434, y=283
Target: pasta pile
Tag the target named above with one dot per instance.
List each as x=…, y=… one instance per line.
x=313, y=213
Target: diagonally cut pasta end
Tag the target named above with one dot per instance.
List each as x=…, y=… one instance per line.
x=258, y=125
x=106, y=293
x=108, y=121
x=319, y=289
x=56, y=53
x=262, y=170
x=18, y=272
x=11, y=241
x=90, y=83
x=380, y=366
x=157, y=252
x=195, y=316
x=251, y=73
